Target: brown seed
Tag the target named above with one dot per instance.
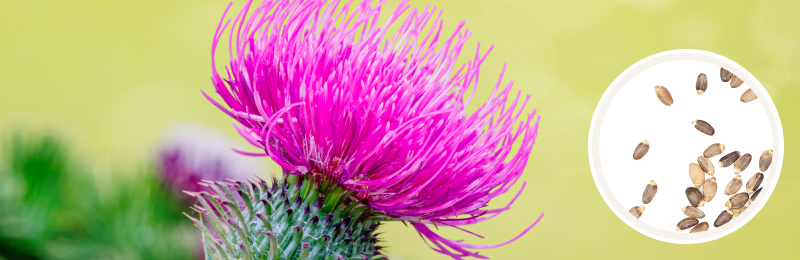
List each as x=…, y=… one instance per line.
x=723, y=218
x=706, y=165
x=738, y=200
x=637, y=211
x=695, y=197
x=702, y=84
x=663, y=94
x=740, y=164
x=714, y=150
x=765, y=161
x=696, y=174
x=739, y=211
x=686, y=223
x=649, y=192
x=703, y=127
x=709, y=189
x=755, y=194
x=734, y=186
x=754, y=182
x=748, y=96
x=641, y=150
x=736, y=81
x=699, y=228
x=728, y=159
x=725, y=75
x=693, y=212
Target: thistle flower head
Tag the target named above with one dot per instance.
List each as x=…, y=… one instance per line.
x=190, y=154
x=377, y=107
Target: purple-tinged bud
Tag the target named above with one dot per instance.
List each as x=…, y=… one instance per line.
x=298, y=201
x=346, y=221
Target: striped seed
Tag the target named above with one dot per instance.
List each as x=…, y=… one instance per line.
x=637, y=211
x=693, y=212
x=723, y=218
x=736, y=81
x=737, y=201
x=699, y=228
x=748, y=96
x=725, y=75
x=740, y=164
x=739, y=211
x=728, y=159
x=703, y=127
x=702, y=84
x=755, y=194
x=696, y=174
x=733, y=186
x=641, y=150
x=686, y=223
x=706, y=165
x=765, y=161
x=754, y=182
x=649, y=192
x=709, y=189
x=714, y=150
x=663, y=94
x=695, y=197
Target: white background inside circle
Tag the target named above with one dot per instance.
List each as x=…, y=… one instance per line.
x=635, y=114
x=599, y=174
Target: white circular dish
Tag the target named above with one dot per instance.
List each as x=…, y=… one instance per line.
x=629, y=112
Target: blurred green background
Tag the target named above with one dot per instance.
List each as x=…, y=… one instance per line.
x=110, y=76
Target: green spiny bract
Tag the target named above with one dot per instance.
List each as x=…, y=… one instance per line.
x=299, y=217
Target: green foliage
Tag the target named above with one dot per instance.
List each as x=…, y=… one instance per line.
x=299, y=217
x=50, y=209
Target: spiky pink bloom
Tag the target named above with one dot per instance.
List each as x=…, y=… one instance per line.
x=325, y=88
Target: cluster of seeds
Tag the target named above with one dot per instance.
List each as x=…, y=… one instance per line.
x=704, y=189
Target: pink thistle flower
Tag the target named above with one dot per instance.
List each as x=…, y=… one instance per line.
x=326, y=89
x=190, y=154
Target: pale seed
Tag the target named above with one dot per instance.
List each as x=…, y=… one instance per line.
x=754, y=182
x=736, y=81
x=703, y=127
x=714, y=150
x=709, y=189
x=702, y=84
x=663, y=94
x=723, y=218
x=637, y=211
x=728, y=159
x=765, y=161
x=641, y=150
x=693, y=212
x=695, y=197
x=699, y=228
x=755, y=194
x=686, y=223
x=748, y=96
x=706, y=165
x=696, y=174
x=740, y=164
x=734, y=186
x=649, y=192
x=739, y=211
x=725, y=75
x=738, y=200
